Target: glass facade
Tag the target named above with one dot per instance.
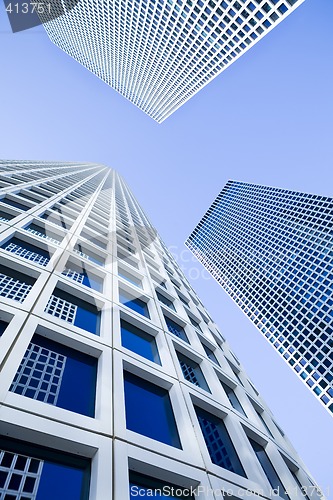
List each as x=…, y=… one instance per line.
x=271, y=251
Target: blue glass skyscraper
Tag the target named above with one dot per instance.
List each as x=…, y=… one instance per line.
x=272, y=251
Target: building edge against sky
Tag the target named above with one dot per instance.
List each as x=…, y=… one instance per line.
x=159, y=54
x=271, y=250
x=101, y=338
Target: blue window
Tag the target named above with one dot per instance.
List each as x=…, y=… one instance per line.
x=283, y=9
x=210, y=354
x=136, y=304
x=3, y=326
x=83, y=276
x=146, y=487
x=129, y=277
x=136, y=340
x=31, y=472
x=194, y=323
x=218, y=442
x=165, y=300
x=261, y=418
x=14, y=285
x=93, y=239
x=192, y=372
x=268, y=469
x=14, y=203
x=299, y=484
x=74, y=310
x=149, y=411
x=88, y=254
x=56, y=218
x=176, y=329
x=58, y=375
x=127, y=259
x=234, y=401
x=27, y=251
x=6, y=216
x=43, y=232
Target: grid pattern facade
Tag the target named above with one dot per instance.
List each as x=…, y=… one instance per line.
x=13, y=289
x=158, y=54
x=89, y=207
x=271, y=251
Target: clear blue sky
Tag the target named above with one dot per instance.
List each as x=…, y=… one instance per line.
x=267, y=119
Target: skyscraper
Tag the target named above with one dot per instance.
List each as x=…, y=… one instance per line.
x=114, y=378
x=158, y=54
x=271, y=251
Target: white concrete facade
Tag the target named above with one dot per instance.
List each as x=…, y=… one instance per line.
x=158, y=54
x=85, y=212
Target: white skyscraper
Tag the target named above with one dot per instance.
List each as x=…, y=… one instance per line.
x=114, y=379
x=158, y=54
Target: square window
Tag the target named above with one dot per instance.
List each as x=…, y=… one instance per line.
x=268, y=468
x=165, y=300
x=218, y=442
x=192, y=371
x=176, y=329
x=147, y=486
x=134, y=303
x=233, y=399
x=149, y=411
x=138, y=341
x=123, y=273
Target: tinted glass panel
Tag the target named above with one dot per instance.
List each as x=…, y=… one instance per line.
x=218, y=442
x=234, y=401
x=133, y=303
x=210, y=354
x=138, y=341
x=192, y=371
x=149, y=411
x=14, y=203
x=74, y=310
x=28, y=471
x=58, y=375
x=165, y=300
x=145, y=487
x=269, y=470
x=3, y=326
x=176, y=329
x=129, y=277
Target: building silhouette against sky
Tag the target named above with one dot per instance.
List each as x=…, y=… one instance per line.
x=272, y=251
x=114, y=378
x=158, y=54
